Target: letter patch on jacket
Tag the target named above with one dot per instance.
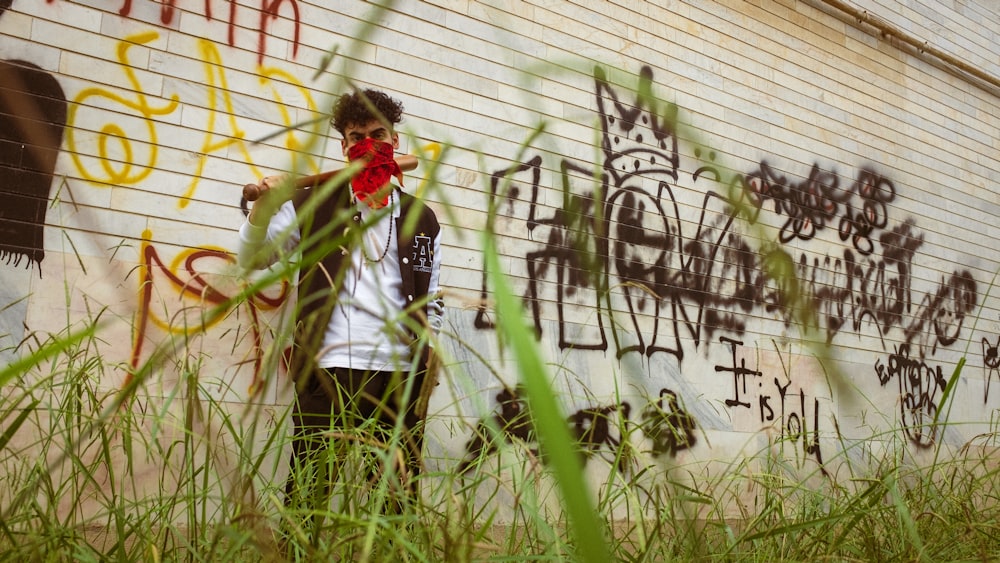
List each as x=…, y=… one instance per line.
x=423, y=254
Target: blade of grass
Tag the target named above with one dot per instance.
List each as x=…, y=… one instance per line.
x=909, y=525
x=12, y=429
x=550, y=423
x=45, y=352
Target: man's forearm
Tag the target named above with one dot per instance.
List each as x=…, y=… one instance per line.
x=258, y=247
x=260, y=214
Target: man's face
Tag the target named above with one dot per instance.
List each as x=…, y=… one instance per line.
x=374, y=129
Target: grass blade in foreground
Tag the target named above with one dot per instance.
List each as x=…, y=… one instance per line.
x=550, y=424
x=48, y=351
x=14, y=426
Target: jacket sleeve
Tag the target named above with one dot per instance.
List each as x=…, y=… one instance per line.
x=435, y=303
x=260, y=247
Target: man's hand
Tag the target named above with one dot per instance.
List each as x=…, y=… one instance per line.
x=431, y=380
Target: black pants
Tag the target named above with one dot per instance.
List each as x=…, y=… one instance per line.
x=340, y=400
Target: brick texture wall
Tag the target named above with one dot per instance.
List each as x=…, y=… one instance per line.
x=780, y=136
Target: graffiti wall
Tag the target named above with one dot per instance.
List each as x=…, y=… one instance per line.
x=733, y=227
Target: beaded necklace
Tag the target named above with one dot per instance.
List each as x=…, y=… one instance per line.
x=388, y=239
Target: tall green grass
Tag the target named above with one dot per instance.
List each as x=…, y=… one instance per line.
x=201, y=481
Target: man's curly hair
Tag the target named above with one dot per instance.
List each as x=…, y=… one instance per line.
x=360, y=108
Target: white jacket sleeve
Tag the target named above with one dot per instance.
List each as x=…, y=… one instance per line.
x=260, y=247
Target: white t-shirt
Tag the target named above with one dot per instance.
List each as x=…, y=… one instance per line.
x=366, y=330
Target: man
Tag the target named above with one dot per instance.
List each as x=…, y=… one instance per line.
x=368, y=297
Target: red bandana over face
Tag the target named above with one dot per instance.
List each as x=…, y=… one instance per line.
x=380, y=168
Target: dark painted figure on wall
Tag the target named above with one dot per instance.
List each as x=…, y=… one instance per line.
x=991, y=362
x=594, y=430
x=32, y=118
x=669, y=427
x=511, y=419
